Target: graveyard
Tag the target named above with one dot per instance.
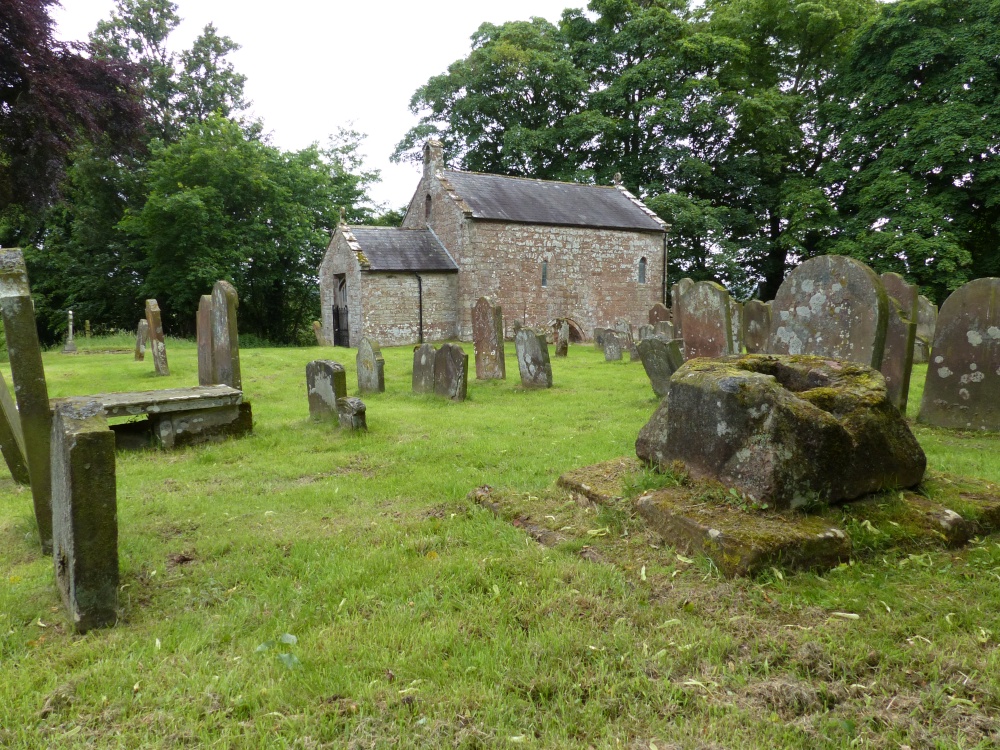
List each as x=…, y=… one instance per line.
x=429, y=582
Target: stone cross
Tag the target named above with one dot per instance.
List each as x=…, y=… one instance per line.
x=487, y=340
x=326, y=382
x=370, y=366
x=423, y=368
x=533, y=359
x=451, y=372
x=141, y=337
x=70, y=346
x=156, y=340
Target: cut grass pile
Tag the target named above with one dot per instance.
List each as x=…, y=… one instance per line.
x=309, y=588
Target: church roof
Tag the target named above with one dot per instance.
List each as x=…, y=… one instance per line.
x=526, y=201
x=392, y=249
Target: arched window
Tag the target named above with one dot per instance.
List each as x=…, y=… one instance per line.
x=642, y=270
x=427, y=208
x=545, y=273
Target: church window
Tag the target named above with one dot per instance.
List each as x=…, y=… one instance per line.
x=642, y=270
x=427, y=207
x=545, y=273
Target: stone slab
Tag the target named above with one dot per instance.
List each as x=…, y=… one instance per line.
x=225, y=336
x=708, y=327
x=203, y=331
x=661, y=358
x=612, y=342
x=157, y=342
x=370, y=366
x=601, y=483
x=487, y=340
x=756, y=325
x=677, y=292
x=141, y=339
x=533, y=359
x=562, y=340
x=451, y=372
x=659, y=313
x=163, y=401
x=326, y=382
x=176, y=429
x=900, y=335
x=736, y=316
x=423, y=368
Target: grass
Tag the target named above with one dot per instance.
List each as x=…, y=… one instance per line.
x=309, y=588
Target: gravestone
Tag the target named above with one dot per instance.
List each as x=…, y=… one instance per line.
x=318, y=333
x=831, y=306
x=599, y=338
x=423, y=368
x=11, y=437
x=203, y=329
x=661, y=358
x=371, y=367
x=487, y=340
x=225, y=336
x=351, y=413
x=70, y=346
x=141, y=337
x=533, y=359
x=562, y=340
x=659, y=313
x=962, y=390
x=708, y=330
x=85, y=513
x=612, y=346
x=677, y=292
x=30, y=390
x=900, y=333
x=624, y=329
x=326, y=382
x=451, y=372
x=156, y=341
x=645, y=331
x=756, y=325
x=927, y=314
x=665, y=329
x=736, y=315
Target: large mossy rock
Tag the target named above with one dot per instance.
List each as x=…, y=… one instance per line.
x=786, y=430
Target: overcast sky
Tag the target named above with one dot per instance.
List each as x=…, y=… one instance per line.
x=312, y=66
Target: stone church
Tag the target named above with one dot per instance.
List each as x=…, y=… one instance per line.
x=542, y=250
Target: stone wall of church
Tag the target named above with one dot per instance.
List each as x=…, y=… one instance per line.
x=391, y=307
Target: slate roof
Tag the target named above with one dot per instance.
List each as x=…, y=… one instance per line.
x=528, y=201
x=391, y=249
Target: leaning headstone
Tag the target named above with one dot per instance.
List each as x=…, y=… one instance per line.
x=708, y=330
x=141, y=337
x=562, y=340
x=831, y=306
x=900, y=334
x=533, y=359
x=11, y=437
x=351, y=412
x=487, y=340
x=927, y=313
x=736, y=314
x=665, y=329
x=612, y=346
x=962, y=390
x=70, y=346
x=326, y=382
x=423, y=368
x=318, y=333
x=156, y=340
x=30, y=389
x=225, y=336
x=756, y=325
x=203, y=330
x=661, y=358
x=451, y=372
x=85, y=513
x=371, y=367
x=659, y=313
x=677, y=292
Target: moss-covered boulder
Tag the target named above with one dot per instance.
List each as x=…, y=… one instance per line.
x=786, y=430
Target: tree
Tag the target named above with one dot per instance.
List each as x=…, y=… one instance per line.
x=207, y=82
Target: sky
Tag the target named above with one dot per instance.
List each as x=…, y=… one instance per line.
x=313, y=66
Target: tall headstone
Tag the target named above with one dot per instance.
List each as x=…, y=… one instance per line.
x=613, y=345
x=156, y=340
x=927, y=313
x=203, y=329
x=11, y=437
x=451, y=372
x=423, y=368
x=371, y=367
x=677, y=292
x=70, y=346
x=756, y=325
x=85, y=513
x=661, y=358
x=29, y=385
x=831, y=306
x=962, y=390
x=318, y=333
x=141, y=337
x=659, y=313
x=708, y=329
x=225, y=336
x=900, y=334
x=326, y=382
x=736, y=315
x=562, y=340
x=533, y=359
x=487, y=340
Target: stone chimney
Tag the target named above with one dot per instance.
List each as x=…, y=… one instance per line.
x=433, y=157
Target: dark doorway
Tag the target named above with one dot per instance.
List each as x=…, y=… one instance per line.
x=341, y=327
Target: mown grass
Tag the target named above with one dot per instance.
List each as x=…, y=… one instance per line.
x=309, y=588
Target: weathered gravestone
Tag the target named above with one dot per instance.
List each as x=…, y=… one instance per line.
x=927, y=314
x=736, y=316
x=451, y=372
x=225, y=336
x=786, y=430
x=624, y=329
x=85, y=513
x=599, y=338
x=30, y=389
x=533, y=359
x=665, y=329
x=70, y=346
x=352, y=414
x=371, y=367
x=141, y=337
x=831, y=306
x=562, y=340
x=962, y=390
x=423, y=368
x=613, y=346
x=487, y=340
x=677, y=292
x=318, y=333
x=900, y=333
x=756, y=325
x=659, y=313
x=645, y=331
x=203, y=329
x=661, y=358
x=326, y=382
x=156, y=341
x=11, y=437
x=708, y=330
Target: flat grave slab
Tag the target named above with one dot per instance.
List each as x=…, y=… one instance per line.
x=162, y=401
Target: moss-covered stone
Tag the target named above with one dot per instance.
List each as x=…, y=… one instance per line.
x=603, y=482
